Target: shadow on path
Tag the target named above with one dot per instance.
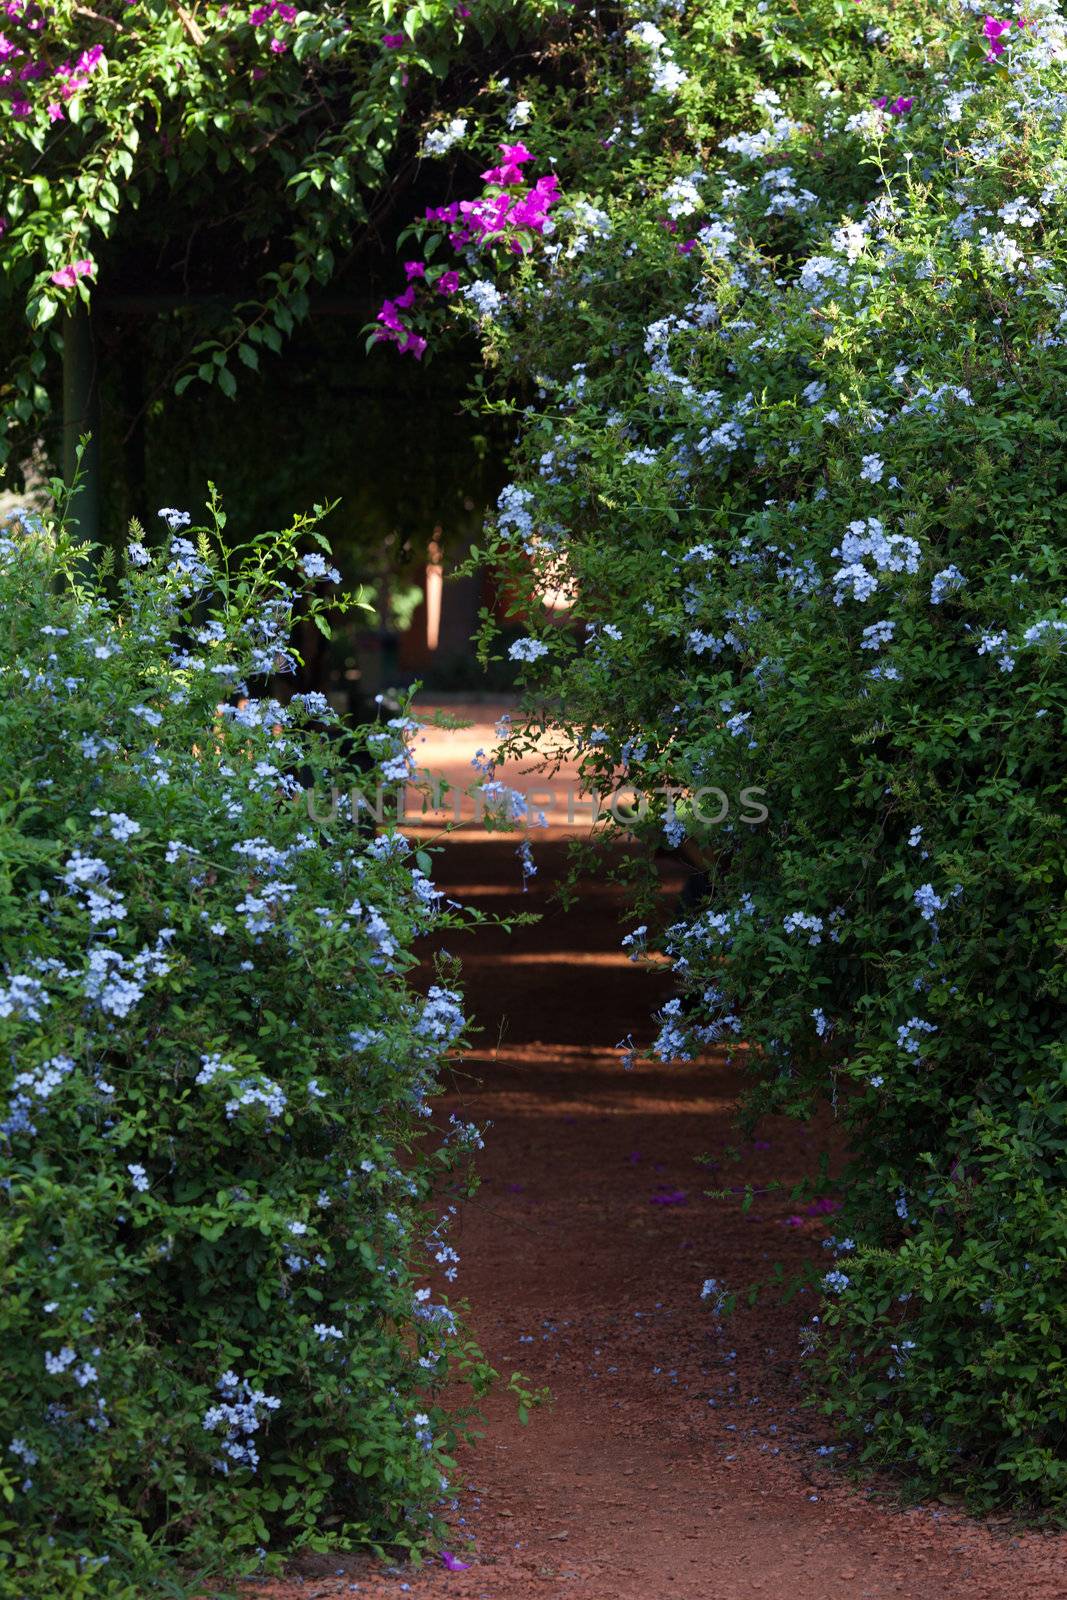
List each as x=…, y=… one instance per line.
x=676, y=1459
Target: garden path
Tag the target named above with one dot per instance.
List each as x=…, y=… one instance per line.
x=676, y=1459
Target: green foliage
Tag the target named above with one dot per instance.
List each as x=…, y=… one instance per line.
x=796, y=450
x=230, y=154
x=215, y=1205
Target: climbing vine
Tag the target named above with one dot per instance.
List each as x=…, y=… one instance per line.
x=243, y=150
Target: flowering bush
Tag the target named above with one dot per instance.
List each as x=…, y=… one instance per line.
x=794, y=456
x=214, y=1209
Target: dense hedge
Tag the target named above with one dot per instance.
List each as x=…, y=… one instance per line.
x=213, y=1206
x=796, y=448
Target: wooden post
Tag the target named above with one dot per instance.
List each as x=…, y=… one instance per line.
x=81, y=415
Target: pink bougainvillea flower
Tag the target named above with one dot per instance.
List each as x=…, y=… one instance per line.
x=75, y=75
x=20, y=108
x=509, y=171
x=447, y=283
x=686, y=247
x=278, y=46
x=55, y=111
x=502, y=175
x=274, y=8
x=453, y=1563
x=414, y=269
x=899, y=107
x=532, y=210
x=389, y=316
x=793, y=1222
x=413, y=345
x=392, y=41
x=992, y=28
x=822, y=1207
x=67, y=277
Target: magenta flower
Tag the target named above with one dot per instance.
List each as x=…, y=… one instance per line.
x=899, y=107
x=278, y=46
x=510, y=169
x=992, y=29
x=55, y=111
x=392, y=41
x=443, y=213
x=414, y=269
x=453, y=1563
x=388, y=316
x=447, y=283
x=67, y=277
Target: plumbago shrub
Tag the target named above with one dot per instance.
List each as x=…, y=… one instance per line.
x=214, y=1208
x=793, y=444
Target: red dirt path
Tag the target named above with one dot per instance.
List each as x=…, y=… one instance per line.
x=675, y=1460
